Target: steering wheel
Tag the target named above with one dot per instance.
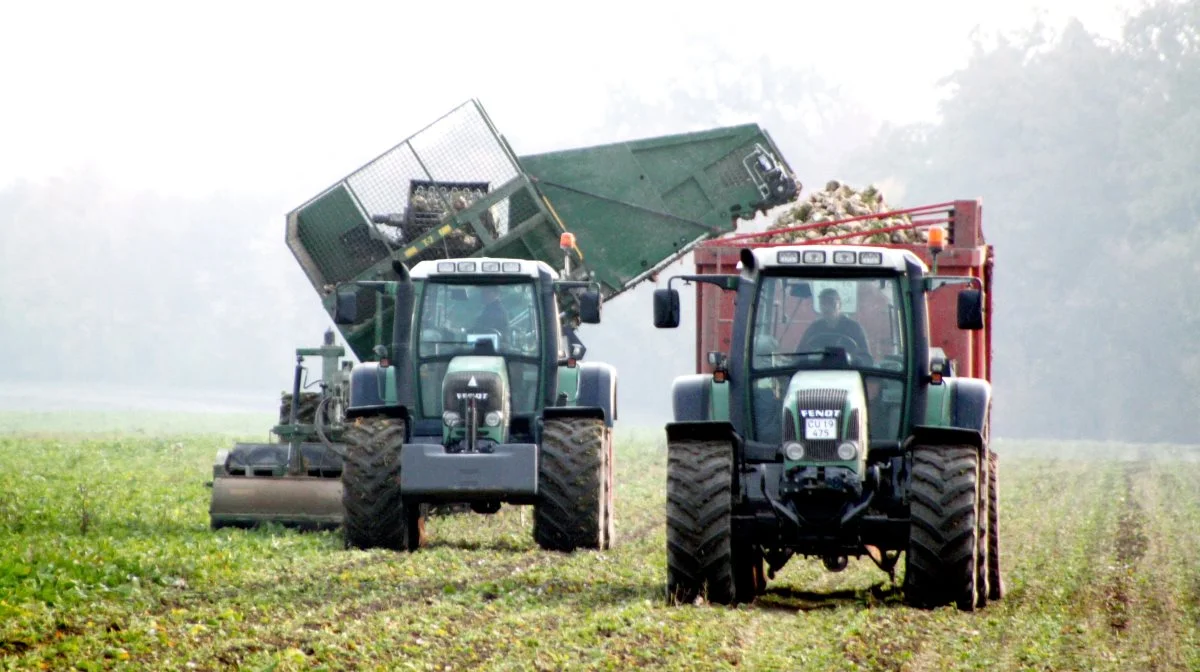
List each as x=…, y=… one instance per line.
x=488, y=332
x=836, y=340
x=832, y=340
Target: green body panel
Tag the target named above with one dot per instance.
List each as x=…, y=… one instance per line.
x=568, y=384
x=480, y=364
x=389, y=391
x=718, y=401
x=456, y=189
x=937, y=403
x=856, y=398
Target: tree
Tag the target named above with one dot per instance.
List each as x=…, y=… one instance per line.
x=1087, y=157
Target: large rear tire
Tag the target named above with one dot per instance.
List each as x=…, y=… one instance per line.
x=699, y=522
x=940, y=565
x=981, y=535
x=571, y=511
x=995, y=580
x=375, y=514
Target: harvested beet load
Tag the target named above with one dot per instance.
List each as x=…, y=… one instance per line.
x=841, y=212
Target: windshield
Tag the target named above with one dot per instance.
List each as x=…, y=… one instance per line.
x=796, y=319
x=454, y=318
x=471, y=319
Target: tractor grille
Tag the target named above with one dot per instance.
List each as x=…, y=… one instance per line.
x=484, y=388
x=820, y=400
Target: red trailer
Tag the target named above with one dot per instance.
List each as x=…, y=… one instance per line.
x=966, y=253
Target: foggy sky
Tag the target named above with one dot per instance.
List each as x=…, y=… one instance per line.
x=244, y=111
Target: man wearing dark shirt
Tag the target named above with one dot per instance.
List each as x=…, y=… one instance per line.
x=493, y=317
x=834, y=328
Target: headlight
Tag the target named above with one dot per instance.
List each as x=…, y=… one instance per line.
x=847, y=451
x=793, y=451
x=450, y=418
x=492, y=419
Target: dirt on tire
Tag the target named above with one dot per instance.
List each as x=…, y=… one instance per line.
x=572, y=485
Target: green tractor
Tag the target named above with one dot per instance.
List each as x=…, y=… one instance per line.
x=479, y=398
x=830, y=437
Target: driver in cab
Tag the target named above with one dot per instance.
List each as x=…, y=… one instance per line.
x=834, y=329
x=493, y=317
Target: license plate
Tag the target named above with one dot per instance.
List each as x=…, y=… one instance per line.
x=820, y=428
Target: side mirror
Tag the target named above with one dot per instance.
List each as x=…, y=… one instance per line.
x=970, y=309
x=666, y=308
x=345, y=309
x=589, y=307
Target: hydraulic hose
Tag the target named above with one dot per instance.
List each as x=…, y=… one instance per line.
x=319, y=422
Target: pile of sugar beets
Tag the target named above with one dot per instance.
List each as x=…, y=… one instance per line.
x=839, y=201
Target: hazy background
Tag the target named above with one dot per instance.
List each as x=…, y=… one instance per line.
x=149, y=152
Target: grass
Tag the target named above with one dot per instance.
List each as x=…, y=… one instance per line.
x=107, y=562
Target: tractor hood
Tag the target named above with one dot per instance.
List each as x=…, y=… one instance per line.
x=476, y=387
x=822, y=411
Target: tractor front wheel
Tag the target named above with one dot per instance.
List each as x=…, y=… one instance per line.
x=573, y=485
x=699, y=524
x=375, y=514
x=941, y=562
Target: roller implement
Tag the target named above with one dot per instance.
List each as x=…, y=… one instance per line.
x=841, y=407
x=458, y=274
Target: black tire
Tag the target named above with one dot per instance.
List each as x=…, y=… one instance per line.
x=306, y=409
x=374, y=513
x=570, y=512
x=981, y=535
x=609, y=484
x=995, y=580
x=940, y=564
x=699, y=522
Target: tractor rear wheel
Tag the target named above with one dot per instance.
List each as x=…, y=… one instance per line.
x=981, y=535
x=572, y=485
x=699, y=522
x=374, y=513
x=995, y=581
x=940, y=565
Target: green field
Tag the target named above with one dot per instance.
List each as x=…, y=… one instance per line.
x=107, y=562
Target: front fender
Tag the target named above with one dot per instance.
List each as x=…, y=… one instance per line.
x=959, y=402
x=373, y=392
x=598, y=389
x=697, y=397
